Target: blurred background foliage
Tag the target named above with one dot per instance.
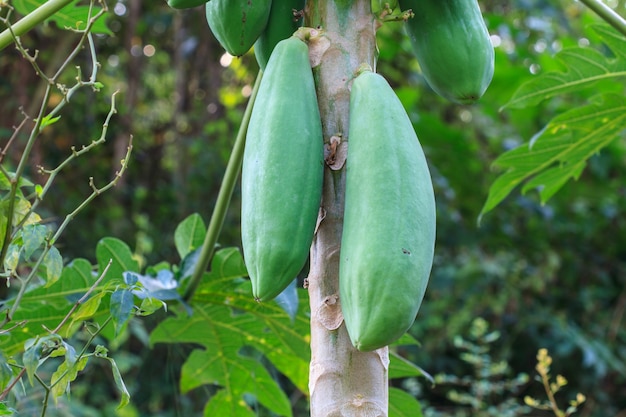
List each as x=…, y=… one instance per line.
x=543, y=276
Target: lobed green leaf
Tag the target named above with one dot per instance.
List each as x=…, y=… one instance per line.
x=584, y=68
x=226, y=321
x=560, y=151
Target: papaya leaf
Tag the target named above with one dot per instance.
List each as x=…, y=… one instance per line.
x=584, y=68
x=238, y=375
x=189, y=234
x=560, y=151
x=402, y=368
x=403, y=404
x=222, y=404
x=225, y=320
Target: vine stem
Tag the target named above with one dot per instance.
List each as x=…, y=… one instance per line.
x=223, y=197
x=31, y=20
x=607, y=14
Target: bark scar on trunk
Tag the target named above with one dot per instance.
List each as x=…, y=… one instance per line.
x=329, y=312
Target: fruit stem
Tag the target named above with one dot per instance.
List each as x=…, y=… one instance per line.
x=31, y=20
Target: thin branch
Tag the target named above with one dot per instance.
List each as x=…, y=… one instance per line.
x=16, y=131
x=96, y=192
x=31, y=20
x=75, y=153
x=224, y=196
x=83, y=298
x=552, y=400
x=15, y=326
x=19, y=376
x=14, y=179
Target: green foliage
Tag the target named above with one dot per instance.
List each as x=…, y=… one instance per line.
x=489, y=390
x=238, y=336
x=45, y=303
x=189, y=234
x=73, y=16
x=560, y=151
x=223, y=334
x=403, y=404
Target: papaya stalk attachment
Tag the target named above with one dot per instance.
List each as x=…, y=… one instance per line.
x=223, y=197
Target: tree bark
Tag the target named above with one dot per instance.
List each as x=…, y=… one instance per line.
x=343, y=381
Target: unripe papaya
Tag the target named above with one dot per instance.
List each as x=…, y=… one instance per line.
x=452, y=46
x=388, y=238
x=237, y=24
x=281, y=183
x=281, y=24
x=185, y=4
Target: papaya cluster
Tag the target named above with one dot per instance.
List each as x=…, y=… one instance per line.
x=389, y=224
x=388, y=236
x=240, y=24
x=449, y=37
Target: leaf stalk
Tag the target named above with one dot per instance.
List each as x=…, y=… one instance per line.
x=223, y=197
x=31, y=20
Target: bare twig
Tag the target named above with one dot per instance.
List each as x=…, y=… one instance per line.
x=16, y=131
x=83, y=298
x=75, y=153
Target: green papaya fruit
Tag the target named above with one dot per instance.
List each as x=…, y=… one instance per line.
x=281, y=182
x=185, y=4
x=237, y=24
x=281, y=24
x=452, y=46
x=388, y=238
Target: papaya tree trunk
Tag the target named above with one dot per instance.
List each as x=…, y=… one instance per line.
x=343, y=381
